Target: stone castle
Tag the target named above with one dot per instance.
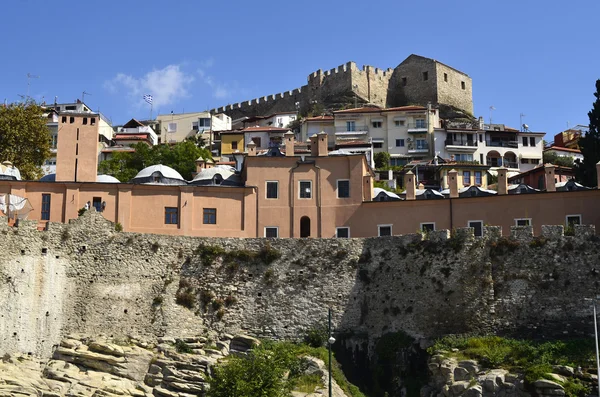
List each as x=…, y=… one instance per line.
x=417, y=80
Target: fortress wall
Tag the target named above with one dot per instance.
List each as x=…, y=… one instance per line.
x=87, y=278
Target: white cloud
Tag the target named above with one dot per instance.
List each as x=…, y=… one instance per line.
x=167, y=85
x=219, y=90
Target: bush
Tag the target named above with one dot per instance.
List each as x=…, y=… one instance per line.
x=81, y=211
x=217, y=304
x=186, y=297
x=317, y=336
x=182, y=347
x=118, y=227
x=268, y=254
x=230, y=300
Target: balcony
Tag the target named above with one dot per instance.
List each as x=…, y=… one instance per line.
x=497, y=162
x=418, y=147
x=511, y=144
x=352, y=130
x=417, y=128
x=467, y=146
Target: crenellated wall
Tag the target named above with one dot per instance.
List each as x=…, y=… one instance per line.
x=339, y=87
x=86, y=278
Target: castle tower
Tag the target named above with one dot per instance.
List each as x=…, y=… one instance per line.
x=77, y=147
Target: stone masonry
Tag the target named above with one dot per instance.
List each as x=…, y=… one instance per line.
x=87, y=278
x=416, y=81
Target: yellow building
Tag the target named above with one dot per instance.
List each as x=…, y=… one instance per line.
x=232, y=142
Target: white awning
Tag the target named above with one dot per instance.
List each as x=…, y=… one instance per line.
x=378, y=140
x=352, y=133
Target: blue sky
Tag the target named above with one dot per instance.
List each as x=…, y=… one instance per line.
x=539, y=58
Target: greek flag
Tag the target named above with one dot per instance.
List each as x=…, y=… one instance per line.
x=148, y=98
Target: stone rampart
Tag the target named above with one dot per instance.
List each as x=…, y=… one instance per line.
x=87, y=278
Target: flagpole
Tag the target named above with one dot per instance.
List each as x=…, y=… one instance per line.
x=151, y=108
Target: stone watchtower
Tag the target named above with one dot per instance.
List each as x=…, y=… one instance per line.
x=418, y=80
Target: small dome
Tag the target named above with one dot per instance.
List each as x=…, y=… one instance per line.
x=107, y=179
x=9, y=172
x=48, y=178
x=158, y=175
x=219, y=175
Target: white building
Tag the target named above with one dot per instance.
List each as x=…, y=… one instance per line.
x=177, y=127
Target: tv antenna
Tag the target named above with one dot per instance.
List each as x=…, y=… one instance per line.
x=521, y=115
x=492, y=108
x=29, y=77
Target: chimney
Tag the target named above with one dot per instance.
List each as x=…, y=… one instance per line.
x=549, y=176
x=251, y=149
x=409, y=185
x=322, y=144
x=289, y=143
x=502, y=181
x=598, y=174
x=453, y=183
x=200, y=164
x=314, y=145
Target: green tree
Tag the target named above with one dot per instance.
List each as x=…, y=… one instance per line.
x=181, y=157
x=589, y=144
x=382, y=160
x=259, y=374
x=24, y=138
x=553, y=158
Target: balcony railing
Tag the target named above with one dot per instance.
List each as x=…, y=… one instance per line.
x=418, y=148
x=355, y=128
x=497, y=162
x=452, y=142
x=511, y=144
x=417, y=127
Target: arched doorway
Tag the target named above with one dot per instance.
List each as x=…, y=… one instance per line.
x=305, y=226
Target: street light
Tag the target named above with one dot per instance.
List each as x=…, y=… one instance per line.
x=330, y=342
x=596, y=338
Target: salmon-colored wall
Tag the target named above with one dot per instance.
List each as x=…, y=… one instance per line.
x=77, y=144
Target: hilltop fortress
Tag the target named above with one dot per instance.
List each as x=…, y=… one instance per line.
x=417, y=80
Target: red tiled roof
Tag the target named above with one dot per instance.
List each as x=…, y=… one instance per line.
x=131, y=136
x=404, y=108
x=360, y=110
x=265, y=129
x=563, y=149
x=319, y=118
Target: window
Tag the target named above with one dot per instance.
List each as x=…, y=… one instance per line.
x=478, y=177
x=93, y=121
x=377, y=145
x=171, y=215
x=342, y=232
x=463, y=157
x=194, y=125
x=71, y=107
x=204, y=122
x=172, y=127
x=64, y=119
x=234, y=145
x=343, y=188
x=421, y=144
x=45, y=207
x=399, y=142
x=271, y=232
x=463, y=85
x=425, y=76
x=210, y=216
x=272, y=189
x=85, y=121
x=305, y=189
x=257, y=141
x=466, y=177
x=384, y=230
x=446, y=77
x=531, y=141
x=71, y=120
x=376, y=124
x=428, y=227
x=573, y=220
x=525, y=141
x=399, y=123
x=480, y=137
x=523, y=222
x=420, y=123
x=350, y=126
x=404, y=81
x=97, y=203
x=54, y=141
x=477, y=228
x=398, y=161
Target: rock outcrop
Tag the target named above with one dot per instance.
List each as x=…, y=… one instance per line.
x=102, y=368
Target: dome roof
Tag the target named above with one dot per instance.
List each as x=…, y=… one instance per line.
x=219, y=175
x=9, y=171
x=107, y=179
x=165, y=171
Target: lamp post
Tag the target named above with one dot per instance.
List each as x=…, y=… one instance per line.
x=596, y=337
x=330, y=342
